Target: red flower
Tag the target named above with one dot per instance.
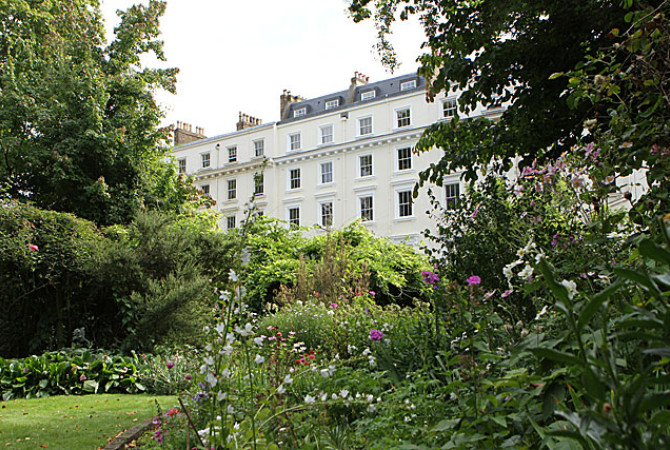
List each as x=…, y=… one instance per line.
x=33, y=248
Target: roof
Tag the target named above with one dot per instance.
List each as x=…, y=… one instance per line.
x=382, y=90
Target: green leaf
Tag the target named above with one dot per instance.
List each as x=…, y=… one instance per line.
x=558, y=356
x=595, y=303
x=640, y=279
x=90, y=386
x=446, y=424
x=649, y=249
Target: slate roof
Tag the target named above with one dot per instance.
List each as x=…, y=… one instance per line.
x=383, y=90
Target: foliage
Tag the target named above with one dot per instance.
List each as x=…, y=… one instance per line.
x=134, y=286
x=560, y=211
x=78, y=120
x=517, y=46
x=625, y=86
x=70, y=372
x=342, y=262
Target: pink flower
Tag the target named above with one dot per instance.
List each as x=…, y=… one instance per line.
x=170, y=365
x=507, y=293
x=474, y=280
x=82, y=377
x=33, y=248
x=376, y=335
x=333, y=305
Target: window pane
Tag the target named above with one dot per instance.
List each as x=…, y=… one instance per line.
x=327, y=214
x=405, y=203
x=453, y=191
x=294, y=175
x=366, y=208
x=259, y=148
x=326, y=172
x=366, y=165
x=449, y=108
x=404, y=158
x=232, y=189
x=232, y=154
x=365, y=125
x=403, y=117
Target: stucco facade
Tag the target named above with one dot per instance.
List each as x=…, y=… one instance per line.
x=331, y=160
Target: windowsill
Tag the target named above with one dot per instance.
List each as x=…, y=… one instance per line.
x=368, y=223
x=254, y=158
x=324, y=144
x=230, y=200
x=363, y=136
x=404, y=219
x=325, y=185
x=293, y=191
x=366, y=178
x=404, y=172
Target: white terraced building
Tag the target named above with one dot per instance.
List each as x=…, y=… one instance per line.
x=330, y=160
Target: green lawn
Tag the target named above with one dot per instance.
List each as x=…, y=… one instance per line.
x=73, y=422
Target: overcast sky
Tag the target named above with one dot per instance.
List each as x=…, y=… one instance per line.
x=239, y=55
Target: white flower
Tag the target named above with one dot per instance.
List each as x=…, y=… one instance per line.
x=542, y=312
x=227, y=349
x=230, y=337
x=324, y=397
x=281, y=389
x=288, y=379
x=571, y=286
x=259, y=341
x=331, y=312
x=370, y=398
x=219, y=328
x=259, y=359
x=325, y=373
x=334, y=396
x=232, y=275
x=371, y=408
x=526, y=272
x=246, y=331
x=230, y=409
x=211, y=379
x=221, y=396
x=344, y=393
x=245, y=257
x=236, y=426
x=225, y=373
x=209, y=360
x=208, y=347
x=225, y=295
x=309, y=399
x=366, y=352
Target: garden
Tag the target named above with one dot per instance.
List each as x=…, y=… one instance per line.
x=537, y=314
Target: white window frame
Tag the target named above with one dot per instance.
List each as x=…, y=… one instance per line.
x=205, y=189
x=259, y=147
x=320, y=215
x=408, y=85
x=289, y=179
x=232, y=153
x=300, y=112
x=407, y=119
x=450, y=201
x=289, y=208
x=404, y=190
x=332, y=104
x=360, y=198
x=368, y=95
x=231, y=189
x=231, y=222
x=259, y=182
x=181, y=166
x=449, y=105
x=359, y=127
x=398, y=159
x=206, y=160
x=359, y=173
x=322, y=173
x=323, y=135
x=290, y=142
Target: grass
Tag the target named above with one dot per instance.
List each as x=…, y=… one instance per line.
x=73, y=422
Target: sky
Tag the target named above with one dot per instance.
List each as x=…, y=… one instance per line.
x=240, y=55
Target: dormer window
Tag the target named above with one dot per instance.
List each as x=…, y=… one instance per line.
x=300, y=112
x=407, y=85
x=332, y=104
x=369, y=95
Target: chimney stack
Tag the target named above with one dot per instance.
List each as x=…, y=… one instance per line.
x=285, y=101
x=183, y=133
x=246, y=121
x=358, y=80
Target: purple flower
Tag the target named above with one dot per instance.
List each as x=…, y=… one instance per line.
x=334, y=305
x=474, y=280
x=188, y=377
x=507, y=293
x=430, y=278
x=82, y=377
x=376, y=335
x=170, y=365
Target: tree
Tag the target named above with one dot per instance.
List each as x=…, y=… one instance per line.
x=78, y=120
x=501, y=51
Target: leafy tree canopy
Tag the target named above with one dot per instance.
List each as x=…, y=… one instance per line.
x=78, y=120
x=502, y=51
